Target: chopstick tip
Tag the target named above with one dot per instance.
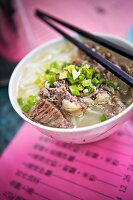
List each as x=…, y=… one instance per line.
x=37, y=12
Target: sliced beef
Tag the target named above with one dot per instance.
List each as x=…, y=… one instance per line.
x=100, y=92
x=117, y=105
x=47, y=114
x=59, y=95
x=103, y=101
x=79, y=60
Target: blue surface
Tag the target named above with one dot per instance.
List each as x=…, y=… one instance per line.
x=10, y=121
x=130, y=34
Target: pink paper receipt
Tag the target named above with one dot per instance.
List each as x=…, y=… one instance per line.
x=34, y=167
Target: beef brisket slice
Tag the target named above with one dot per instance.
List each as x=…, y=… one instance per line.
x=47, y=114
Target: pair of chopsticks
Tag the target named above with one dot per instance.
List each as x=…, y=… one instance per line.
x=104, y=62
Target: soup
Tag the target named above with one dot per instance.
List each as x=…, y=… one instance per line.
x=64, y=88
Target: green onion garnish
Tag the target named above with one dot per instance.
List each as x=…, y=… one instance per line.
x=103, y=118
x=70, y=68
x=78, y=78
x=51, y=77
x=80, y=87
x=54, y=65
x=95, y=81
x=90, y=73
x=81, y=77
x=74, y=90
x=110, y=84
x=65, y=64
x=32, y=100
x=90, y=90
x=63, y=75
x=85, y=82
x=20, y=101
x=98, y=76
x=26, y=108
x=37, y=81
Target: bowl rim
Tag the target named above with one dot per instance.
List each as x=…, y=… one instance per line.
x=52, y=129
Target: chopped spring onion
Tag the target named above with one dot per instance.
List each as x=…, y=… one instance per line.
x=70, y=68
x=110, y=84
x=91, y=90
x=27, y=104
x=74, y=90
x=63, y=75
x=41, y=85
x=45, y=66
x=54, y=64
x=95, y=81
x=47, y=71
x=85, y=82
x=20, y=101
x=54, y=67
x=85, y=90
x=32, y=100
x=26, y=108
x=80, y=87
x=98, y=76
x=102, y=81
x=51, y=77
x=37, y=81
x=103, y=118
x=84, y=70
x=81, y=77
x=65, y=64
x=70, y=79
x=75, y=74
x=90, y=73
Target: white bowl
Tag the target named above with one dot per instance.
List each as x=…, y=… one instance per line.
x=79, y=135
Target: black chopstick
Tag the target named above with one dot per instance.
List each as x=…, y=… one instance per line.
x=107, y=64
x=112, y=46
